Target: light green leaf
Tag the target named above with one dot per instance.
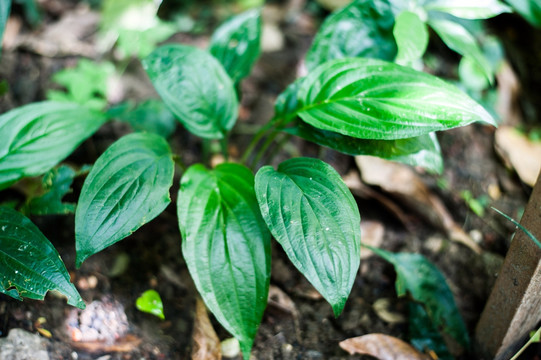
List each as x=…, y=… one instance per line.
x=457, y=38
x=57, y=184
x=29, y=264
x=5, y=7
x=468, y=9
x=226, y=246
x=236, y=43
x=150, y=302
x=311, y=213
x=421, y=151
x=426, y=284
x=38, y=136
x=374, y=99
x=195, y=87
x=364, y=28
x=127, y=187
x=411, y=37
x=529, y=9
x=471, y=75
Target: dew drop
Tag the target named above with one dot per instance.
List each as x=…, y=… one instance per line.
x=16, y=271
x=4, y=228
x=326, y=229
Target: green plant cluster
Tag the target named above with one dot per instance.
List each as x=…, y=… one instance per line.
x=355, y=100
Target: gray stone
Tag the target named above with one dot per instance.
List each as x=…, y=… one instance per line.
x=23, y=345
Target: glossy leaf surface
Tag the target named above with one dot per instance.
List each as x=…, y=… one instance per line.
x=195, y=87
x=127, y=187
x=311, y=213
x=421, y=151
x=374, y=99
x=150, y=302
x=362, y=29
x=468, y=9
x=29, y=264
x=38, y=136
x=457, y=38
x=226, y=246
x=426, y=284
x=411, y=37
x=236, y=43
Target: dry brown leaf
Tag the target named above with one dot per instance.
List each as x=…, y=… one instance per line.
x=382, y=308
x=372, y=233
x=126, y=344
x=404, y=184
x=206, y=345
x=519, y=153
x=383, y=347
x=280, y=300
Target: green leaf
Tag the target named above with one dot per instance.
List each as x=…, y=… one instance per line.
x=467, y=9
x=195, y=87
x=421, y=151
x=364, y=28
x=38, y=136
x=311, y=213
x=29, y=264
x=374, y=99
x=236, y=43
x=150, y=302
x=226, y=246
x=471, y=75
x=411, y=37
x=5, y=6
x=424, y=335
x=56, y=184
x=127, y=187
x=457, y=38
x=152, y=116
x=529, y=9
x=426, y=284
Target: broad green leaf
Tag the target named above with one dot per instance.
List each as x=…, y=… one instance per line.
x=424, y=335
x=30, y=266
x=411, y=37
x=311, y=213
x=236, y=43
x=5, y=6
x=195, y=87
x=152, y=116
x=56, y=184
x=468, y=9
x=38, y=136
x=471, y=75
x=150, y=302
x=421, y=151
x=426, y=284
x=374, y=99
x=127, y=187
x=364, y=28
x=457, y=38
x=226, y=246
x=529, y=9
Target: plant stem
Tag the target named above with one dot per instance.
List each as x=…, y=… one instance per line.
x=264, y=148
x=255, y=140
x=179, y=162
x=224, y=146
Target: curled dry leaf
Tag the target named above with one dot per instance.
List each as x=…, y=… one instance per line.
x=382, y=308
x=383, y=347
x=280, y=300
x=206, y=345
x=519, y=153
x=403, y=183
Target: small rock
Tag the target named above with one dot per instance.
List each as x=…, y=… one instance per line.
x=23, y=345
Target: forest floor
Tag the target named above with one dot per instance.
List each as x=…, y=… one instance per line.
x=298, y=323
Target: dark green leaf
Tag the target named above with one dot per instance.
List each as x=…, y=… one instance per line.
x=195, y=87
x=38, y=136
x=426, y=284
x=5, y=6
x=374, y=99
x=150, y=302
x=411, y=37
x=152, y=116
x=29, y=264
x=56, y=184
x=468, y=9
x=421, y=151
x=127, y=187
x=311, y=213
x=424, y=335
x=364, y=28
x=529, y=9
x=287, y=103
x=457, y=38
x=226, y=246
x=236, y=43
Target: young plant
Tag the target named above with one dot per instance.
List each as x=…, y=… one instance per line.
x=228, y=214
